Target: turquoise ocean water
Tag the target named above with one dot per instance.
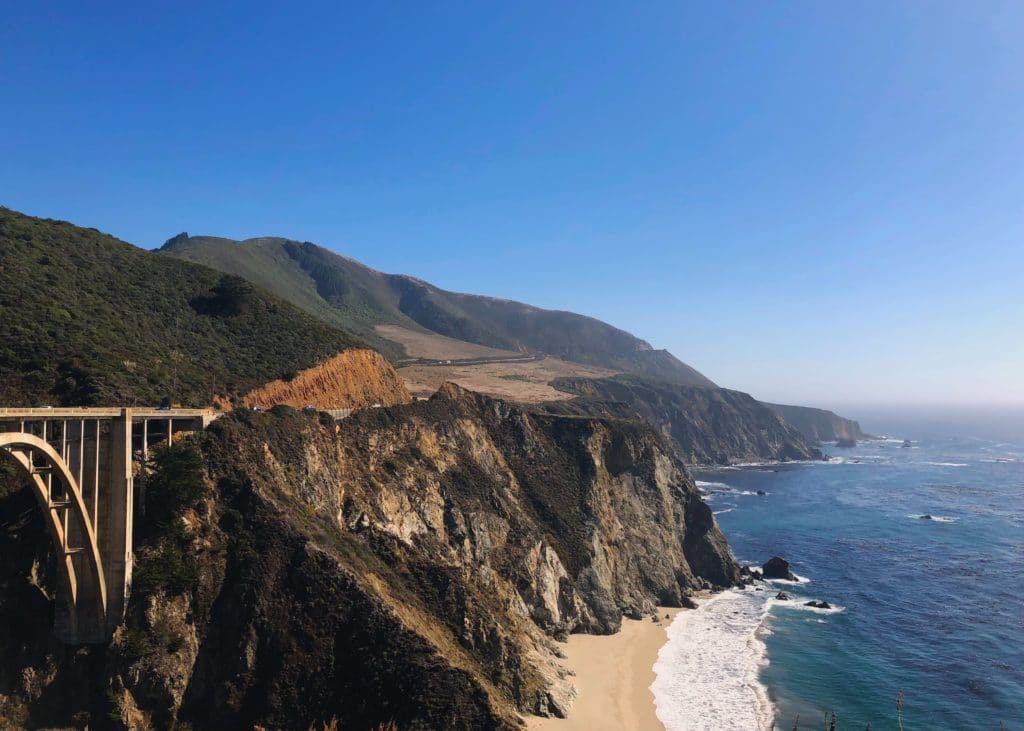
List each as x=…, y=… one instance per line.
x=930, y=607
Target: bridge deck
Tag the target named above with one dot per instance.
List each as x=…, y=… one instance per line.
x=103, y=412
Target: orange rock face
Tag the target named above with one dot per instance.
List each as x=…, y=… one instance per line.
x=353, y=378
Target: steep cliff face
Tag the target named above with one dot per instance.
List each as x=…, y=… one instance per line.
x=704, y=425
x=413, y=565
x=354, y=378
x=819, y=425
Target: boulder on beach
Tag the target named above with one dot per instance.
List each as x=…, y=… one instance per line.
x=777, y=568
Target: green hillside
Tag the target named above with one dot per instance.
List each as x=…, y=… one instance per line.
x=343, y=292
x=88, y=319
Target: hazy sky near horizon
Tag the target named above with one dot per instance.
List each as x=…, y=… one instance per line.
x=814, y=202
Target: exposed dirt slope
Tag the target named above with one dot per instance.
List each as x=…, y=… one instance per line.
x=524, y=382
x=353, y=378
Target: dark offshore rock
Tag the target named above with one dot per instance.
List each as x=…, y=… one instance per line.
x=818, y=605
x=777, y=568
x=749, y=575
x=782, y=596
x=704, y=425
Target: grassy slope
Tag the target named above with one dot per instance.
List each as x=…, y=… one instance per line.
x=89, y=319
x=277, y=265
x=347, y=293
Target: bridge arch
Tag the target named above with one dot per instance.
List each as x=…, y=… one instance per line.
x=72, y=532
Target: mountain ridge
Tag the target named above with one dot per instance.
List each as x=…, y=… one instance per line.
x=351, y=295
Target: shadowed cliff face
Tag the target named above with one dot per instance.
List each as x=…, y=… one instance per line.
x=704, y=425
x=413, y=564
x=42, y=682
x=455, y=538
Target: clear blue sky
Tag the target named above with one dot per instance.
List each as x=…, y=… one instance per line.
x=816, y=202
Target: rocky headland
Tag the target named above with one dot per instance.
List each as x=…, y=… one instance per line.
x=819, y=425
x=704, y=425
x=413, y=564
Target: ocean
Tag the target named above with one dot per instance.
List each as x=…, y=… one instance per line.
x=930, y=607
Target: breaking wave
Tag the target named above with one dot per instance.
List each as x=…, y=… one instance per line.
x=708, y=671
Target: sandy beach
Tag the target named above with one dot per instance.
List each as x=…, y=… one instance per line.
x=613, y=678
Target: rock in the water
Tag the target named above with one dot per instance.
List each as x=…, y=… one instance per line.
x=818, y=605
x=777, y=568
x=906, y=444
x=761, y=492
x=782, y=596
x=926, y=517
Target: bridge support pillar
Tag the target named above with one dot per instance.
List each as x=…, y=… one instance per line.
x=115, y=514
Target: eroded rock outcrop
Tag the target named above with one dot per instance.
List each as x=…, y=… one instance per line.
x=354, y=378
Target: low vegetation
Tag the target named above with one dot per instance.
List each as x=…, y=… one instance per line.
x=87, y=319
x=165, y=561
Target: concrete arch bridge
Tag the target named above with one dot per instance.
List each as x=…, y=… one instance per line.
x=80, y=464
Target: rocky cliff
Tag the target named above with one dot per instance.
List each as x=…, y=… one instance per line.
x=351, y=379
x=819, y=425
x=704, y=425
x=412, y=565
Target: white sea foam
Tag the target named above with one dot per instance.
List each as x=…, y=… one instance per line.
x=707, y=672
x=719, y=485
x=947, y=464
x=799, y=580
x=718, y=488
x=727, y=510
